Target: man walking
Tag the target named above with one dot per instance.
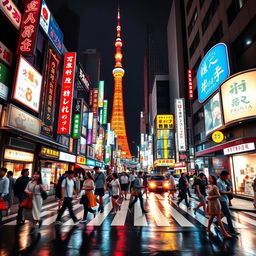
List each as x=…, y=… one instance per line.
x=100, y=186
x=67, y=191
x=224, y=201
x=4, y=189
x=183, y=190
x=11, y=191
x=19, y=187
x=138, y=186
x=132, y=178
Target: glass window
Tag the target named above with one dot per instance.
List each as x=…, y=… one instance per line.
x=192, y=22
x=17, y=168
x=194, y=44
x=234, y=9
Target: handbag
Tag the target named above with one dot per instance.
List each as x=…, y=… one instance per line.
x=3, y=205
x=26, y=203
x=44, y=195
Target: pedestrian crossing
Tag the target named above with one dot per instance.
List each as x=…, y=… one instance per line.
x=161, y=213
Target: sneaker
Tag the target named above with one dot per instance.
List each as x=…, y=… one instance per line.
x=99, y=209
x=102, y=209
x=94, y=214
x=83, y=221
x=58, y=222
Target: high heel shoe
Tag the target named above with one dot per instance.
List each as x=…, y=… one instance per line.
x=226, y=235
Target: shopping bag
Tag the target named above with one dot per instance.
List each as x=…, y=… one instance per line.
x=92, y=199
x=3, y=205
x=26, y=203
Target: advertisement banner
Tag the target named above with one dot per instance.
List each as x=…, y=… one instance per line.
x=50, y=84
x=46, y=177
x=164, y=122
x=28, y=30
x=95, y=101
x=5, y=54
x=101, y=94
x=20, y=120
x=66, y=157
x=164, y=162
x=190, y=85
x=82, y=77
x=107, y=154
x=11, y=12
x=4, y=81
x=90, y=152
x=51, y=28
x=105, y=112
x=94, y=130
x=180, y=124
x=49, y=152
x=212, y=114
x=85, y=120
x=90, y=120
x=91, y=97
x=67, y=93
x=27, y=86
x=111, y=137
x=89, y=137
x=18, y=155
x=238, y=96
x=82, y=148
x=77, y=111
x=213, y=71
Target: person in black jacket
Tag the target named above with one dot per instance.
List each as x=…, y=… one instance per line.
x=183, y=183
x=19, y=187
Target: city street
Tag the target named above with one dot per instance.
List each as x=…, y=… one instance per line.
x=165, y=230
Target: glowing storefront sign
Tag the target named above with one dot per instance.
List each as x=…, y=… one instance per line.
x=164, y=162
x=101, y=94
x=218, y=137
x=164, y=122
x=212, y=71
x=18, y=155
x=67, y=157
x=5, y=54
x=239, y=148
x=180, y=124
x=238, y=96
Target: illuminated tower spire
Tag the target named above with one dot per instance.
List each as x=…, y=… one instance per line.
x=117, y=118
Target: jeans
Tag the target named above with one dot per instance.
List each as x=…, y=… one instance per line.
x=183, y=195
x=67, y=203
x=227, y=214
x=188, y=191
x=135, y=200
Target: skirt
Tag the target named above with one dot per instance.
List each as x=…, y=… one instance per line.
x=214, y=207
x=91, y=199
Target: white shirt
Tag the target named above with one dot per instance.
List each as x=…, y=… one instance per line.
x=68, y=188
x=115, y=187
x=124, y=180
x=132, y=177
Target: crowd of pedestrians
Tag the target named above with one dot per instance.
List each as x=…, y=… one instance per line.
x=214, y=195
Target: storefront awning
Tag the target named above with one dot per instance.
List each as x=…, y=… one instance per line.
x=232, y=143
x=83, y=166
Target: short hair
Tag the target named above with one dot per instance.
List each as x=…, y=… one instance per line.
x=224, y=173
x=3, y=169
x=201, y=175
x=115, y=175
x=24, y=171
x=10, y=173
x=95, y=168
x=70, y=172
x=140, y=173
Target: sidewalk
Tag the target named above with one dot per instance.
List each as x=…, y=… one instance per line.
x=239, y=204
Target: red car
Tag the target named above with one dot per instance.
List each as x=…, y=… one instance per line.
x=158, y=183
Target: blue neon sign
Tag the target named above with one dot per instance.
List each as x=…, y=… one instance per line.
x=213, y=71
x=90, y=162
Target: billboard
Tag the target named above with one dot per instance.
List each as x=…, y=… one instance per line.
x=5, y=54
x=105, y=112
x=238, y=96
x=101, y=94
x=212, y=71
x=180, y=124
x=67, y=93
x=95, y=101
x=27, y=86
x=28, y=30
x=50, y=84
x=212, y=114
x=190, y=85
x=77, y=111
x=5, y=76
x=164, y=122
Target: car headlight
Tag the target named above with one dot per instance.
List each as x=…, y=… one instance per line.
x=166, y=185
x=152, y=185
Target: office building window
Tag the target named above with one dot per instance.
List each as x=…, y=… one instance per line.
x=209, y=14
x=188, y=6
x=194, y=44
x=195, y=68
x=192, y=22
x=234, y=9
x=215, y=38
x=201, y=2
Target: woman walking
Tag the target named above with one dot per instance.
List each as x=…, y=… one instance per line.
x=33, y=190
x=124, y=181
x=88, y=199
x=214, y=207
x=116, y=191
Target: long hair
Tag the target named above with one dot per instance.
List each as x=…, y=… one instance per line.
x=89, y=175
x=214, y=179
x=39, y=181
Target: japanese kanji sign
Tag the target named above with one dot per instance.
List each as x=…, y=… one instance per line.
x=212, y=71
x=27, y=86
x=238, y=96
x=190, y=85
x=28, y=30
x=105, y=112
x=95, y=101
x=164, y=122
x=67, y=93
x=5, y=78
x=51, y=75
x=101, y=94
x=5, y=54
x=11, y=12
x=77, y=111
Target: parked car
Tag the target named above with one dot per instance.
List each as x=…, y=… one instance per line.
x=158, y=183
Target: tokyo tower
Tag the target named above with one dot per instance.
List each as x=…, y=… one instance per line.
x=117, y=118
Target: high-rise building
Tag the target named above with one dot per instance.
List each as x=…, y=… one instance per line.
x=117, y=118
x=91, y=63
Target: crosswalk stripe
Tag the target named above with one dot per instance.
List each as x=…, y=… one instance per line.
x=120, y=218
x=244, y=218
x=250, y=213
x=139, y=218
x=98, y=220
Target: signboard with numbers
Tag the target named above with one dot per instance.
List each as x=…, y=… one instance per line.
x=5, y=54
x=212, y=71
x=238, y=96
x=28, y=30
x=67, y=93
x=11, y=12
x=50, y=85
x=27, y=86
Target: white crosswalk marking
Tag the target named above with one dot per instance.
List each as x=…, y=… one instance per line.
x=244, y=218
x=120, y=217
x=139, y=218
x=250, y=213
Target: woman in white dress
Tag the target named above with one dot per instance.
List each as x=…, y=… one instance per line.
x=116, y=191
x=34, y=189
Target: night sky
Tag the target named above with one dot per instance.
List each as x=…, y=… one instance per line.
x=94, y=24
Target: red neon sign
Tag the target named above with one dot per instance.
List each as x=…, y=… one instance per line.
x=29, y=26
x=190, y=85
x=67, y=93
x=95, y=101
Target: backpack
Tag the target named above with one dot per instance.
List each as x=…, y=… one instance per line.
x=58, y=187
